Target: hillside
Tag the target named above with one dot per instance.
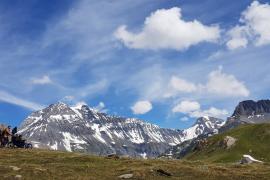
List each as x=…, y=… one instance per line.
x=42, y=164
x=252, y=139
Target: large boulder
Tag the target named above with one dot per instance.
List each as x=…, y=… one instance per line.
x=228, y=142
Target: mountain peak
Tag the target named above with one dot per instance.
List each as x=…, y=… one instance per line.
x=58, y=105
x=203, y=119
x=80, y=128
x=79, y=105
x=203, y=125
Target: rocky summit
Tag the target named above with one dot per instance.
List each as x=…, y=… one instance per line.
x=83, y=129
x=249, y=112
x=252, y=108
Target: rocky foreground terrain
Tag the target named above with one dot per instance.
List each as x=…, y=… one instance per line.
x=44, y=164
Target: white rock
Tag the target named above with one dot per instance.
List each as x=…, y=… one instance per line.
x=18, y=176
x=247, y=159
x=229, y=141
x=126, y=176
x=15, y=168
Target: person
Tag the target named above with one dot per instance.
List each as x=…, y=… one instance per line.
x=14, y=131
x=1, y=137
x=2, y=140
x=7, y=136
x=19, y=141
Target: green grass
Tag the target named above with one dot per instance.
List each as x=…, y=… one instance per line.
x=43, y=164
x=251, y=139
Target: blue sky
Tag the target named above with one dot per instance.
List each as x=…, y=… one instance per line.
x=167, y=62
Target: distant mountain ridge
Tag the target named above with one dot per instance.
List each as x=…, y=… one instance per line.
x=249, y=112
x=251, y=108
x=246, y=112
x=81, y=128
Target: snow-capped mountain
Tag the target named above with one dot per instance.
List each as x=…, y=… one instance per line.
x=203, y=127
x=83, y=129
x=246, y=112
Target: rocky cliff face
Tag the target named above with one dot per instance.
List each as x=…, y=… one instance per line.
x=249, y=112
x=252, y=108
x=83, y=129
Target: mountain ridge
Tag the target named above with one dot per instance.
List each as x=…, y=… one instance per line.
x=81, y=128
x=246, y=113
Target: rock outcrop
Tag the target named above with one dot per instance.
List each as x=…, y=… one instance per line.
x=247, y=159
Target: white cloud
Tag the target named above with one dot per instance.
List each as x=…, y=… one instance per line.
x=186, y=107
x=68, y=99
x=165, y=29
x=193, y=109
x=183, y=119
x=6, y=97
x=223, y=84
x=212, y=112
x=255, y=28
x=141, y=107
x=218, y=84
x=257, y=17
x=42, y=80
x=93, y=88
x=178, y=85
x=238, y=39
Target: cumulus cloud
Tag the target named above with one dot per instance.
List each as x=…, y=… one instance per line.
x=193, y=109
x=238, y=39
x=9, y=98
x=42, y=80
x=218, y=84
x=223, y=84
x=141, y=107
x=165, y=29
x=255, y=27
x=186, y=107
x=177, y=85
x=212, y=112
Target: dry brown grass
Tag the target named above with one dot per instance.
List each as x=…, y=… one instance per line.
x=41, y=164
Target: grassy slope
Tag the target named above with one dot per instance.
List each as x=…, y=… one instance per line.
x=41, y=164
x=252, y=139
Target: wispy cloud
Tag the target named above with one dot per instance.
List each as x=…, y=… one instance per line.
x=9, y=98
x=42, y=80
